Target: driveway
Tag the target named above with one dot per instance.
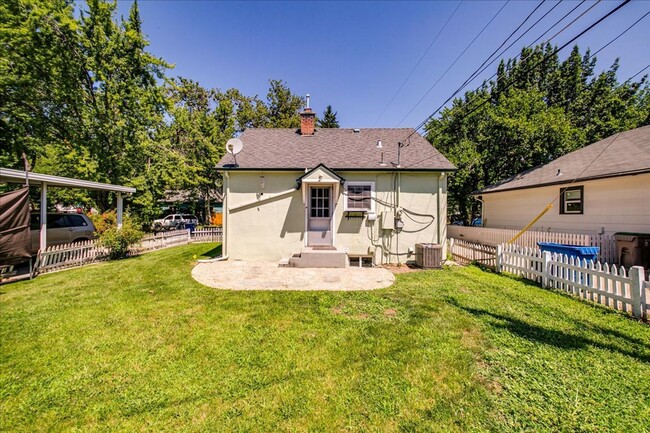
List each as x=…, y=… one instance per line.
x=258, y=275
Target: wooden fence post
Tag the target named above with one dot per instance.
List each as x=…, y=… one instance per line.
x=499, y=257
x=546, y=268
x=637, y=275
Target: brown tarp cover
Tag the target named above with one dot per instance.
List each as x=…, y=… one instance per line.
x=15, y=241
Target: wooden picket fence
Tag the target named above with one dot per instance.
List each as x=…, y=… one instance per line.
x=466, y=253
x=609, y=285
x=494, y=237
x=59, y=257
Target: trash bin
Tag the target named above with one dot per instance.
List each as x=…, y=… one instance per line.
x=577, y=251
x=190, y=226
x=633, y=249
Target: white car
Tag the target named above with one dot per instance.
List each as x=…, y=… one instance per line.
x=174, y=221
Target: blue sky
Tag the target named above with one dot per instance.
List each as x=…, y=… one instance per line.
x=355, y=55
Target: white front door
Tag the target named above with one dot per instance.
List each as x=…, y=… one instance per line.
x=319, y=217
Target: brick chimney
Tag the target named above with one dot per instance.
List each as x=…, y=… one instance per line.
x=307, y=120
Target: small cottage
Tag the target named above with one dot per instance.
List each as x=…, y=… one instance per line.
x=601, y=188
x=326, y=197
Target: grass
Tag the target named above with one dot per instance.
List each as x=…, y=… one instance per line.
x=137, y=345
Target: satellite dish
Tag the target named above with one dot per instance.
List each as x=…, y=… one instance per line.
x=234, y=146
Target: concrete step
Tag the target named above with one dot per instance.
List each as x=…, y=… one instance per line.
x=319, y=258
x=284, y=263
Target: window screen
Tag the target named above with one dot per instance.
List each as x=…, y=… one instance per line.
x=359, y=197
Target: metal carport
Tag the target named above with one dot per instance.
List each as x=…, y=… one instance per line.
x=8, y=175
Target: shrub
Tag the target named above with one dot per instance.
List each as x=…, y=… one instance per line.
x=119, y=241
x=104, y=221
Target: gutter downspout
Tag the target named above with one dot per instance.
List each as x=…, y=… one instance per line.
x=439, y=207
x=399, y=188
x=224, y=241
x=226, y=206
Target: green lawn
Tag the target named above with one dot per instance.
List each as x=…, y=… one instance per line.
x=137, y=345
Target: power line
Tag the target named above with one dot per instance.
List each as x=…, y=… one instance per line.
x=455, y=61
x=483, y=68
x=516, y=30
x=418, y=62
x=624, y=31
x=523, y=60
x=546, y=57
x=634, y=76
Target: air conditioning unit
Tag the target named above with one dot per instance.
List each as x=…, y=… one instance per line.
x=428, y=256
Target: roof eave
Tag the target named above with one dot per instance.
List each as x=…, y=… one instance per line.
x=581, y=179
x=336, y=169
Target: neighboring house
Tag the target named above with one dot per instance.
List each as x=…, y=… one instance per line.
x=603, y=187
x=337, y=191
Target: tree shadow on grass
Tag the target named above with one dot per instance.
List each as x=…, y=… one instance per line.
x=552, y=337
x=214, y=252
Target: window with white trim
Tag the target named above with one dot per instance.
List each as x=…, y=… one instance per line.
x=359, y=197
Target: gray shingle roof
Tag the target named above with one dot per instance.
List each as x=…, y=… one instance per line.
x=617, y=155
x=336, y=148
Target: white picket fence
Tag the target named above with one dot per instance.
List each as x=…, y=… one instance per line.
x=58, y=257
x=208, y=234
x=610, y=285
x=494, y=237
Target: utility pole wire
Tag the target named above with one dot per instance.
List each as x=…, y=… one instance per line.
x=555, y=51
x=495, y=74
x=455, y=61
x=418, y=62
x=482, y=68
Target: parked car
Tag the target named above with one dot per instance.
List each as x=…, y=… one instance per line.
x=62, y=228
x=174, y=221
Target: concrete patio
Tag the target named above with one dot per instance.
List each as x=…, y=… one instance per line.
x=259, y=275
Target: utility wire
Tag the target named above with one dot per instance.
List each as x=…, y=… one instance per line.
x=545, y=58
x=621, y=34
x=634, y=76
x=515, y=31
x=455, y=61
x=418, y=62
x=459, y=89
x=482, y=68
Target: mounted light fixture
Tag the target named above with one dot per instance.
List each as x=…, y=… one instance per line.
x=379, y=145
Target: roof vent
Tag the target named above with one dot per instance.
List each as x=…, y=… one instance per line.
x=356, y=130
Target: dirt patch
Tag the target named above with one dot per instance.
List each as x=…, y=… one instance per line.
x=337, y=310
x=403, y=268
x=390, y=313
x=363, y=315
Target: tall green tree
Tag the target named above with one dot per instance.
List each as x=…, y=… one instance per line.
x=40, y=95
x=329, y=119
x=283, y=106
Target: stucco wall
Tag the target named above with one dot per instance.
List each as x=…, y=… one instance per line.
x=618, y=204
x=274, y=229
